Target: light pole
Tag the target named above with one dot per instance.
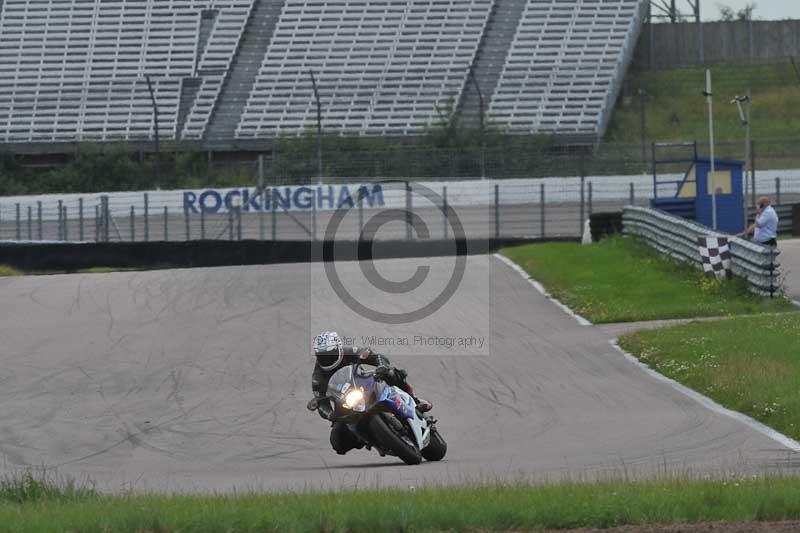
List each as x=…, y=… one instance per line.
x=712, y=175
x=482, y=117
x=643, y=129
x=744, y=115
x=157, y=167
x=319, y=127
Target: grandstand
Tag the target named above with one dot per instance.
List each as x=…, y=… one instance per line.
x=229, y=72
x=564, y=64
x=75, y=70
x=383, y=66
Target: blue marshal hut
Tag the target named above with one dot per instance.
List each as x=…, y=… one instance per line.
x=691, y=197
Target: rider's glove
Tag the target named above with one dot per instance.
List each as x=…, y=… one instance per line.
x=325, y=410
x=385, y=373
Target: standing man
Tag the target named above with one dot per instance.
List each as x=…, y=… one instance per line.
x=766, y=224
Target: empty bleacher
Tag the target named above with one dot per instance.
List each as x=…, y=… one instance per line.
x=75, y=69
x=225, y=71
x=382, y=66
x=562, y=71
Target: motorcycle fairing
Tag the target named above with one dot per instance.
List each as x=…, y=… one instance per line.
x=402, y=404
x=347, y=377
x=378, y=392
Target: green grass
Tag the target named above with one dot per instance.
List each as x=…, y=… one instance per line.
x=751, y=365
x=106, y=270
x=30, y=487
x=488, y=508
x=620, y=280
x=676, y=110
x=9, y=271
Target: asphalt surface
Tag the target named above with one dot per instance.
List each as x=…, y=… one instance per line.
x=197, y=380
x=790, y=266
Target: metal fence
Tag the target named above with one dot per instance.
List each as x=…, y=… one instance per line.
x=740, y=41
x=677, y=237
x=532, y=208
x=344, y=160
x=513, y=208
x=507, y=157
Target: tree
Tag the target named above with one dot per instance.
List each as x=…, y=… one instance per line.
x=728, y=14
x=674, y=11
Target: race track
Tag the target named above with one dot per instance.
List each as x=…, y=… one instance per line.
x=197, y=380
x=790, y=266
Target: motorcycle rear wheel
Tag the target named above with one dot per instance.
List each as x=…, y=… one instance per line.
x=436, y=448
x=387, y=436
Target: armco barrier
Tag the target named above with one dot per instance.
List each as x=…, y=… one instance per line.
x=35, y=256
x=796, y=220
x=677, y=237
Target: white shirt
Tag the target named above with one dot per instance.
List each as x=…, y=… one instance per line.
x=766, y=225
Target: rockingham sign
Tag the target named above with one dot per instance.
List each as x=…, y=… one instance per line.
x=208, y=201
x=321, y=197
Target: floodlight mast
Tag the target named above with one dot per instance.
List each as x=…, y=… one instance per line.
x=482, y=117
x=319, y=126
x=744, y=115
x=712, y=179
x=154, y=103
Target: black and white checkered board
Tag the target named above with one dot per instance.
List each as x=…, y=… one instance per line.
x=715, y=253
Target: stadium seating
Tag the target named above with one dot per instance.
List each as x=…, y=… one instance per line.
x=229, y=23
x=382, y=67
x=560, y=73
x=75, y=69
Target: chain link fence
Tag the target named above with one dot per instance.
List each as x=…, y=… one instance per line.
x=507, y=157
x=515, y=160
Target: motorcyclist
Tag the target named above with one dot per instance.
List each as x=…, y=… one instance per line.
x=331, y=355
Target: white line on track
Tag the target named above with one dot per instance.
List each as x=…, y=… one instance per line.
x=539, y=287
x=710, y=404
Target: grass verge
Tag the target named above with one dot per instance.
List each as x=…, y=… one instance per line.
x=751, y=365
x=674, y=111
x=9, y=271
x=471, y=508
x=106, y=270
x=621, y=280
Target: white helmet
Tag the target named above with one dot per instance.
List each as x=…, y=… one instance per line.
x=328, y=350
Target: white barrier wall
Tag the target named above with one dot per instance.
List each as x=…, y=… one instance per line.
x=374, y=194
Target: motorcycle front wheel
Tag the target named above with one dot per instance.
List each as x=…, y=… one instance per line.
x=437, y=448
x=391, y=435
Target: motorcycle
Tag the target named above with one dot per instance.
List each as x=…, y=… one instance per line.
x=382, y=416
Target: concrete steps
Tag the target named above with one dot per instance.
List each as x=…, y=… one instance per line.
x=490, y=58
x=189, y=88
x=243, y=71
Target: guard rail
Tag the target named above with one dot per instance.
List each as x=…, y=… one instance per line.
x=677, y=237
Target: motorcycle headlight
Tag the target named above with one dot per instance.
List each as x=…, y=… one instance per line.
x=354, y=400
